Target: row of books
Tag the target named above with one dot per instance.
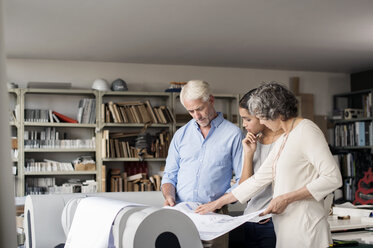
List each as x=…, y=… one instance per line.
x=353, y=166
x=61, y=144
x=38, y=185
x=130, y=168
x=47, y=166
x=47, y=115
x=87, y=111
x=130, y=145
x=133, y=168
x=47, y=185
x=347, y=164
x=354, y=134
x=49, y=133
x=159, y=147
x=135, y=112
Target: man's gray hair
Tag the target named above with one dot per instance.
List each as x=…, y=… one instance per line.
x=194, y=90
x=273, y=100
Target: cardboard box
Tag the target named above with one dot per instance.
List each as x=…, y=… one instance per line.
x=14, y=143
x=85, y=167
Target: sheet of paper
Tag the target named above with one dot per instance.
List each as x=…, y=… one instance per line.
x=213, y=225
x=92, y=222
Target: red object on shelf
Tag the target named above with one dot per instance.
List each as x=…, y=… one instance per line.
x=64, y=118
x=364, y=188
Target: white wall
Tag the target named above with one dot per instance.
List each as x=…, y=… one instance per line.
x=150, y=77
x=7, y=206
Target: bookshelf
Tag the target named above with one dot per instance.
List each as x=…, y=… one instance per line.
x=33, y=122
x=43, y=138
x=353, y=137
x=14, y=123
x=124, y=117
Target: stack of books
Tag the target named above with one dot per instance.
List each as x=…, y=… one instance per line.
x=120, y=182
x=128, y=145
x=135, y=112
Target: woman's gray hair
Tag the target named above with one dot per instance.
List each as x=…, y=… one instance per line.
x=194, y=90
x=273, y=100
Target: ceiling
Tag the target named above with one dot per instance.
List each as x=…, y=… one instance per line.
x=315, y=35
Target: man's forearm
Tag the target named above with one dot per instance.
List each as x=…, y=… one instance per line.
x=168, y=190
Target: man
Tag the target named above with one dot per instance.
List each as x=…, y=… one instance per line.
x=202, y=154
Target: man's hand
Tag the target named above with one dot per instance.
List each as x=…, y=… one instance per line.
x=169, y=201
x=168, y=191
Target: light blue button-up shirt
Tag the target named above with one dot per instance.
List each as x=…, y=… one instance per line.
x=201, y=168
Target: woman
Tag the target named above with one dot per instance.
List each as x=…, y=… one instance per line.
x=257, y=144
x=301, y=168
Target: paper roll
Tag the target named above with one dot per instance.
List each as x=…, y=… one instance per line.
x=120, y=224
x=68, y=213
x=43, y=220
x=154, y=227
x=92, y=222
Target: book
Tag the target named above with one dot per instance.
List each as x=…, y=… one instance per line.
x=80, y=110
x=64, y=117
x=360, y=133
x=92, y=114
x=108, y=116
x=136, y=114
x=112, y=111
x=156, y=112
x=152, y=183
x=157, y=182
x=125, y=181
x=117, y=113
x=131, y=117
x=166, y=114
x=135, y=177
x=50, y=116
x=122, y=111
x=151, y=111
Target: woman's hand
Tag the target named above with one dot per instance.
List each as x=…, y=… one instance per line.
x=276, y=206
x=280, y=203
x=219, y=203
x=249, y=143
x=208, y=207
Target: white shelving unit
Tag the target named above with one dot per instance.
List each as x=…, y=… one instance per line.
x=65, y=102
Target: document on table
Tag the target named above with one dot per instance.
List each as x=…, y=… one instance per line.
x=213, y=225
x=92, y=222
